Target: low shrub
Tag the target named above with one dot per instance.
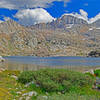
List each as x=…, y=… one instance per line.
x=9, y=72
x=91, y=75
x=25, y=77
x=56, y=80
x=97, y=72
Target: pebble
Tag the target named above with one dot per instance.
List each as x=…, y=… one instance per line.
x=30, y=94
x=15, y=77
x=18, y=92
x=23, y=90
x=28, y=98
x=45, y=97
x=21, y=98
x=29, y=84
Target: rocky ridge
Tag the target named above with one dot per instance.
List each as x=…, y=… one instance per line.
x=65, y=36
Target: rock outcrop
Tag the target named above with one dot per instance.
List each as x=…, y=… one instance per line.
x=94, y=54
x=66, y=21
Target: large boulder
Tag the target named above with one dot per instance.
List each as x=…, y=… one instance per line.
x=94, y=54
x=2, y=59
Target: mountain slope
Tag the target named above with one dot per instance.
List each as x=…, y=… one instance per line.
x=96, y=23
x=65, y=36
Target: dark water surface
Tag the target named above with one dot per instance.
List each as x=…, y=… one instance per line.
x=34, y=63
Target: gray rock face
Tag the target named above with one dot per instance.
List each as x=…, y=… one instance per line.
x=96, y=23
x=61, y=23
x=68, y=19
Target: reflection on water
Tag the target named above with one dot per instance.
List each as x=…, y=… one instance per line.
x=35, y=63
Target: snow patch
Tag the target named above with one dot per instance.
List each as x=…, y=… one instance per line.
x=98, y=28
x=94, y=19
x=90, y=29
x=70, y=26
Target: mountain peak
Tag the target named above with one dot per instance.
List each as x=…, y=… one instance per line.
x=73, y=19
x=85, y=18
x=74, y=15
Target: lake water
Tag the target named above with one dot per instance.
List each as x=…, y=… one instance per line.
x=34, y=63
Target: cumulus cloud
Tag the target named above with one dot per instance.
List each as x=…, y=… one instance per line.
x=84, y=14
x=1, y=21
x=97, y=17
x=6, y=18
x=29, y=17
x=25, y=4
x=33, y=16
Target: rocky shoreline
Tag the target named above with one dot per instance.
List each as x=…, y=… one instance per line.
x=2, y=59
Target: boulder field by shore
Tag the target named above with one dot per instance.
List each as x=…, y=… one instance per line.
x=2, y=59
x=95, y=53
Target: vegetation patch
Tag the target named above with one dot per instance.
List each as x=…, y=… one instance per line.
x=56, y=80
x=26, y=77
x=97, y=72
x=47, y=84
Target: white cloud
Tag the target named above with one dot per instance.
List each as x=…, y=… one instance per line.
x=29, y=17
x=6, y=18
x=25, y=4
x=97, y=17
x=1, y=21
x=84, y=14
x=33, y=16
x=86, y=4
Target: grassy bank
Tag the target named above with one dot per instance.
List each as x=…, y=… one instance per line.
x=47, y=84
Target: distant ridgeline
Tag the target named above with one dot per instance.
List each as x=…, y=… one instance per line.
x=65, y=36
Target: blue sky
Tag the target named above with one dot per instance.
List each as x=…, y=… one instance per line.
x=92, y=7
x=56, y=8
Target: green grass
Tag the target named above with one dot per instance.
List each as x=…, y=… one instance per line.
x=76, y=86
x=61, y=84
x=73, y=97
x=56, y=80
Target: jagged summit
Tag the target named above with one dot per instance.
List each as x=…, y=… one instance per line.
x=74, y=15
x=79, y=16
x=96, y=23
x=67, y=21
x=61, y=23
x=73, y=19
